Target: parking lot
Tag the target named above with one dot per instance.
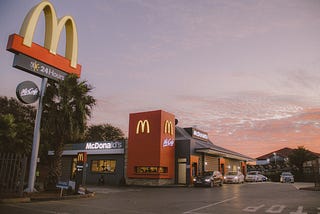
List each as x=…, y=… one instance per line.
x=230, y=198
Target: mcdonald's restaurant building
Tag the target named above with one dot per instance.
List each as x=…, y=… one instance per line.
x=103, y=159
x=157, y=153
x=161, y=153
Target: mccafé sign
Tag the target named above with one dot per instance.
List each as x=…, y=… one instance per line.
x=27, y=92
x=47, y=62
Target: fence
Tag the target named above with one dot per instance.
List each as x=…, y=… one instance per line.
x=12, y=173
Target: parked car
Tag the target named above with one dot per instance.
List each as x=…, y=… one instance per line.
x=265, y=178
x=234, y=177
x=286, y=177
x=254, y=176
x=210, y=178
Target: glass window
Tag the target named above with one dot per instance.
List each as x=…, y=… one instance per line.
x=103, y=166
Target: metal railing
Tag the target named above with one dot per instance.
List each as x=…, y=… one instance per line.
x=12, y=174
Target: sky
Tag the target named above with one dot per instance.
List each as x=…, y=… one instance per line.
x=247, y=72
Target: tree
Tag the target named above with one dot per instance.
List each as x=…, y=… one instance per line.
x=104, y=132
x=67, y=106
x=16, y=126
x=8, y=131
x=299, y=156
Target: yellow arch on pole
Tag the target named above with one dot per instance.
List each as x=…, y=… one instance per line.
x=53, y=28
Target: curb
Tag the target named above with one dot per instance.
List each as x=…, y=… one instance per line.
x=310, y=188
x=67, y=197
x=15, y=200
x=35, y=199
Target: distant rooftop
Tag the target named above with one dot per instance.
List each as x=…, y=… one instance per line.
x=284, y=152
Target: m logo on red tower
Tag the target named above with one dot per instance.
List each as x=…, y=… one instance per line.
x=143, y=124
x=168, y=127
x=22, y=43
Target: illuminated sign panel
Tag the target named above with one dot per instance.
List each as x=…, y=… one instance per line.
x=143, y=124
x=22, y=43
x=82, y=157
x=103, y=145
x=27, y=92
x=168, y=142
x=200, y=135
x=37, y=68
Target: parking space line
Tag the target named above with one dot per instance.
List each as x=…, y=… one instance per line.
x=253, y=209
x=210, y=205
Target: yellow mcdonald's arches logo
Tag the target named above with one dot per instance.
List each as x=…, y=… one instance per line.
x=143, y=124
x=52, y=30
x=82, y=157
x=168, y=127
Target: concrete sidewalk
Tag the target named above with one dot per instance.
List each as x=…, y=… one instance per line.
x=304, y=186
x=43, y=196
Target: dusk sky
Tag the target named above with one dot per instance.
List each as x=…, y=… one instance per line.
x=245, y=71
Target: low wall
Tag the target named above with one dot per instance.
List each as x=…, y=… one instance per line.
x=149, y=182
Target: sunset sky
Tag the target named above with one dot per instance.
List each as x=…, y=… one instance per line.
x=247, y=72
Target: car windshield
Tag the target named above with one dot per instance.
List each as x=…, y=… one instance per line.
x=207, y=173
x=286, y=173
x=232, y=173
x=252, y=173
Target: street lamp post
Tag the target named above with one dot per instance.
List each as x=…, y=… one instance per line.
x=275, y=158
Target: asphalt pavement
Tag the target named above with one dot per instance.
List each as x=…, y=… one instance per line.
x=230, y=198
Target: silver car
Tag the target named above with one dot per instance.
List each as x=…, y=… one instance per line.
x=286, y=177
x=234, y=177
x=254, y=176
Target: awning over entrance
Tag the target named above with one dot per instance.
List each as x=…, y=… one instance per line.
x=202, y=144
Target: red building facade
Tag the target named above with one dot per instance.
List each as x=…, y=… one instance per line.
x=151, y=148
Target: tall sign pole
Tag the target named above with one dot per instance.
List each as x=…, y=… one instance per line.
x=44, y=61
x=36, y=139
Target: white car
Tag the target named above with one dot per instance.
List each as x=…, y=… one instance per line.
x=254, y=176
x=286, y=177
x=234, y=177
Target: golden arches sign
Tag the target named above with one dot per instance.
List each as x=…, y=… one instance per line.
x=168, y=127
x=82, y=157
x=143, y=124
x=52, y=31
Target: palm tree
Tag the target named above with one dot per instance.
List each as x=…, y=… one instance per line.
x=67, y=106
